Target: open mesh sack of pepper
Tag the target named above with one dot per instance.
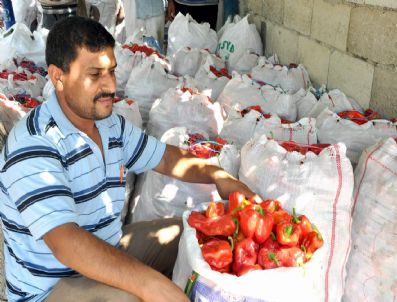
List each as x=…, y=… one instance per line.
x=253, y=236
x=232, y=252
x=21, y=82
x=357, y=136
x=163, y=196
x=318, y=184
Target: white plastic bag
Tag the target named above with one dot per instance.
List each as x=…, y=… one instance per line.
x=182, y=108
x=147, y=82
x=129, y=110
x=321, y=187
x=11, y=112
x=163, y=196
x=236, y=40
x=372, y=265
x=19, y=41
x=184, y=31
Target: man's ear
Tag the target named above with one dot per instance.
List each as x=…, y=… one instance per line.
x=56, y=74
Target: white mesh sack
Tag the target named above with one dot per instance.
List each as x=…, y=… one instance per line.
x=320, y=186
x=181, y=108
x=129, y=110
x=305, y=101
x=372, y=265
x=163, y=196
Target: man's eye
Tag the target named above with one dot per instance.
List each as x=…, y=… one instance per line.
x=113, y=72
x=94, y=75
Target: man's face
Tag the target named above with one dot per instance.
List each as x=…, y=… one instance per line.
x=89, y=86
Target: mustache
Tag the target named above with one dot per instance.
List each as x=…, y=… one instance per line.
x=104, y=95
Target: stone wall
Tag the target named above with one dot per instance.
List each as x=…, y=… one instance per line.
x=345, y=44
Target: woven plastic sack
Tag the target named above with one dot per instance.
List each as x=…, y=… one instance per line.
x=303, y=131
x=321, y=187
x=289, y=78
x=372, y=265
x=242, y=92
x=333, y=129
x=182, y=108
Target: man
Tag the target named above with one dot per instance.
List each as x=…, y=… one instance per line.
x=62, y=186
x=200, y=10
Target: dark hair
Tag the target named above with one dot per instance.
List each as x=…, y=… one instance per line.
x=72, y=33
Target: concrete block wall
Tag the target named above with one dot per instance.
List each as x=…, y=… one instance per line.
x=345, y=44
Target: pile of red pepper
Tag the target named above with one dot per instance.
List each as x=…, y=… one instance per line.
x=17, y=76
x=291, y=146
x=358, y=117
x=31, y=66
x=26, y=100
x=142, y=48
x=221, y=72
x=253, y=236
x=203, y=148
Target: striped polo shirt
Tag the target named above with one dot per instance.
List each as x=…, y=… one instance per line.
x=51, y=173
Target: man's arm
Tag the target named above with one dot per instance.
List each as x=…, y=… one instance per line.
x=72, y=246
x=184, y=166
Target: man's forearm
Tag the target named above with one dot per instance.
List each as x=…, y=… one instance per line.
x=97, y=260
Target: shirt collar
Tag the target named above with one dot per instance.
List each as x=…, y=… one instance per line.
x=60, y=118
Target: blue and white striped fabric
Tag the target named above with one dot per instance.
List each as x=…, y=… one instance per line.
x=51, y=173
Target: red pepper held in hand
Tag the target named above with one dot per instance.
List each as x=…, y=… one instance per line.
x=287, y=233
x=218, y=254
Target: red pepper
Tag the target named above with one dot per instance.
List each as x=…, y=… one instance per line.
x=290, y=257
x=237, y=201
x=217, y=253
x=287, y=233
x=222, y=225
x=267, y=258
x=255, y=225
x=280, y=216
x=311, y=243
x=248, y=268
x=271, y=206
x=245, y=253
x=215, y=209
x=303, y=223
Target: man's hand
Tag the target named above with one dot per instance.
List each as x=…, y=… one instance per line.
x=184, y=166
x=170, y=10
x=226, y=184
x=97, y=260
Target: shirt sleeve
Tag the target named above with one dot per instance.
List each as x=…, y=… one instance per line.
x=36, y=185
x=142, y=152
